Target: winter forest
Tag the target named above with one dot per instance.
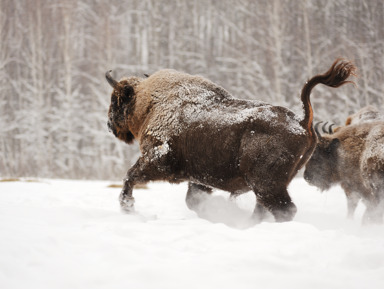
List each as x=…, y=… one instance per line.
x=54, y=54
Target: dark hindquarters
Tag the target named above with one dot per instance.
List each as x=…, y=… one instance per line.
x=268, y=166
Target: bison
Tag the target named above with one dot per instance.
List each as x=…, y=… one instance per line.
x=190, y=129
x=352, y=156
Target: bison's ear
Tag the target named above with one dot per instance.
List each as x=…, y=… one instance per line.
x=348, y=121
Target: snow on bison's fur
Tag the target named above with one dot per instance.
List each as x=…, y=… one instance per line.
x=190, y=129
x=366, y=114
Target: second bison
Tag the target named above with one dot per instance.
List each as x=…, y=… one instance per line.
x=353, y=156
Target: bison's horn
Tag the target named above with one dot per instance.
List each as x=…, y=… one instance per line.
x=317, y=129
x=110, y=80
x=324, y=126
x=330, y=130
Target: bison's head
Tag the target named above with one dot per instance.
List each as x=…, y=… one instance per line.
x=321, y=169
x=122, y=106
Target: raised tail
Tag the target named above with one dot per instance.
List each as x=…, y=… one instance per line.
x=336, y=76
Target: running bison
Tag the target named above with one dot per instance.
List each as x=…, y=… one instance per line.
x=190, y=129
x=352, y=156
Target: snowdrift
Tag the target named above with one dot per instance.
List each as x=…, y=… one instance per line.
x=71, y=234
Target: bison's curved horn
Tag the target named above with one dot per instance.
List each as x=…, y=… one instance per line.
x=330, y=130
x=324, y=126
x=110, y=80
x=317, y=129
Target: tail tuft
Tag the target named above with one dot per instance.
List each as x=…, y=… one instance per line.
x=338, y=73
x=336, y=76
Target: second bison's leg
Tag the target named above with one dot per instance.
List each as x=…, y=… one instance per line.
x=374, y=209
x=195, y=194
x=352, y=202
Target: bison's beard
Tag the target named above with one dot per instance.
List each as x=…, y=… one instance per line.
x=318, y=180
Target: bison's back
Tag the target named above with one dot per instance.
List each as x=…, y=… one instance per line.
x=361, y=156
x=218, y=140
x=372, y=159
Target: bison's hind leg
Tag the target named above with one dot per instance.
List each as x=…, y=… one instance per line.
x=277, y=201
x=259, y=212
x=196, y=194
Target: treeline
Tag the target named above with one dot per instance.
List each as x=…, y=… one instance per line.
x=54, y=98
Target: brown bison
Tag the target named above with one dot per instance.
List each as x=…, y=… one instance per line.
x=190, y=129
x=353, y=156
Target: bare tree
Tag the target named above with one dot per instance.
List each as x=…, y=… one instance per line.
x=54, y=100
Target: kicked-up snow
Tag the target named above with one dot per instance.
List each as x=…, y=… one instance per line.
x=71, y=234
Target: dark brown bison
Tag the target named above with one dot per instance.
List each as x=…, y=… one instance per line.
x=190, y=129
x=353, y=156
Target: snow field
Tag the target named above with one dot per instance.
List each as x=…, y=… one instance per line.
x=71, y=234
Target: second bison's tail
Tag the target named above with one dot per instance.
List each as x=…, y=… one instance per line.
x=336, y=76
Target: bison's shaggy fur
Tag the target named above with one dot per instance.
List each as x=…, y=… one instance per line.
x=354, y=158
x=366, y=114
x=190, y=129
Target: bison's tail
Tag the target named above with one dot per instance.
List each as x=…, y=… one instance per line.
x=336, y=76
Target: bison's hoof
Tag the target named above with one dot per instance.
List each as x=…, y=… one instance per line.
x=286, y=214
x=127, y=203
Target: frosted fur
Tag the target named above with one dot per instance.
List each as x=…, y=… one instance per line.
x=200, y=102
x=366, y=114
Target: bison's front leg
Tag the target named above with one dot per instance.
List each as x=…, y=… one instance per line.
x=126, y=200
x=144, y=170
x=352, y=201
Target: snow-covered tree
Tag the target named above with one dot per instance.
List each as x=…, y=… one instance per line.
x=54, y=54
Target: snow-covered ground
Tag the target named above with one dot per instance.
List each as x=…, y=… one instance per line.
x=71, y=234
